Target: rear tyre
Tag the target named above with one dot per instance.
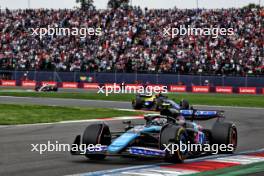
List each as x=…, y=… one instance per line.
x=137, y=104
x=171, y=134
x=55, y=89
x=96, y=134
x=225, y=133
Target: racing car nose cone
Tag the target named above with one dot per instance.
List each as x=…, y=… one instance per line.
x=121, y=142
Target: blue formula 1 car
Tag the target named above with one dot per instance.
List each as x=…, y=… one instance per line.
x=157, y=102
x=157, y=134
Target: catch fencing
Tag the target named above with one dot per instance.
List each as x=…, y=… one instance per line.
x=175, y=82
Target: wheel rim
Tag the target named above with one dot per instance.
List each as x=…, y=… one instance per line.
x=233, y=138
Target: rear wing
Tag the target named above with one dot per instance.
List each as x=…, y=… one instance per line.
x=193, y=114
x=201, y=114
x=144, y=95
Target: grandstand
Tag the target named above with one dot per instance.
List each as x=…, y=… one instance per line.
x=133, y=40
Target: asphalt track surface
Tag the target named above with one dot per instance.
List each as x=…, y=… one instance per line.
x=16, y=157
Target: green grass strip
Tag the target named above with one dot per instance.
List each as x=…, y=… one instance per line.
x=201, y=99
x=234, y=171
x=28, y=114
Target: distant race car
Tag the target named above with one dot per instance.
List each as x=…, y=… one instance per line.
x=157, y=102
x=149, y=139
x=46, y=88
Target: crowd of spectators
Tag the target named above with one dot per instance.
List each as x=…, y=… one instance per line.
x=133, y=40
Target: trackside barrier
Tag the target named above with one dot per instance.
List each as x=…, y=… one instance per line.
x=53, y=83
x=228, y=90
x=71, y=85
x=172, y=88
x=177, y=88
x=8, y=83
x=247, y=90
x=137, y=78
x=200, y=89
x=28, y=84
x=90, y=86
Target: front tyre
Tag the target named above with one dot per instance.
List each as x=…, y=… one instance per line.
x=96, y=134
x=136, y=104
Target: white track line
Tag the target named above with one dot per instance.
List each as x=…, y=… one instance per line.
x=136, y=169
x=110, y=101
x=76, y=121
x=65, y=99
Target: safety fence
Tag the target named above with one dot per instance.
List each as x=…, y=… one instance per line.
x=169, y=87
x=132, y=78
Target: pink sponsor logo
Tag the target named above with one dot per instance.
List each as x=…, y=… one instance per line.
x=90, y=86
x=8, y=83
x=28, y=83
x=228, y=90
x=200, y=89
x=175, y=88
x=72, y=85
x=247, y=90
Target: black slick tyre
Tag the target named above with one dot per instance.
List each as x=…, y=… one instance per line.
x=225, y=133
x=96, y=134
x=173, y=135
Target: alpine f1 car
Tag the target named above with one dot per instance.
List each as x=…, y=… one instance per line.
x=46, y=88
x=157, y=102
x=159, y=131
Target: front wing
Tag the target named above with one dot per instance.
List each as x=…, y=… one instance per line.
x=130, y=151
x=103, y=149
